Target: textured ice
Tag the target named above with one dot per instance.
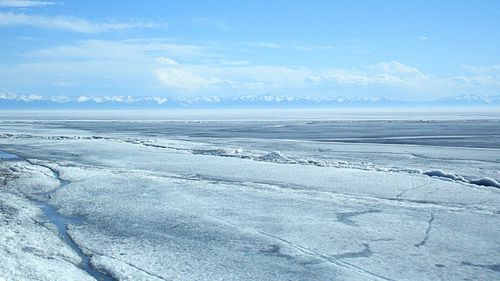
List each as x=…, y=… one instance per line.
x=275, y=156
x=169, y=207
x=121, y=270
x=30, y=248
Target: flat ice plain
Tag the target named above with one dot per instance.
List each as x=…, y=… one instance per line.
x=250, y=196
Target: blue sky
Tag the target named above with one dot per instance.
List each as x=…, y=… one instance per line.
x=407, y=50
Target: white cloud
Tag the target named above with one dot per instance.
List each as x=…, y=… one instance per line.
x=24, y=3
x=161, y=58
x=268, y=45
x=483, y=69
x=234, y=62
x=279, y=78
x=83, y=99
x=480, y=75
x=396, y=67
x=391, y=73
x=115, y=50
x=313, y=48
x=479, y=79
x=354, y=46
x=157, y=67
x=74, y=24
x=167, y=61
x=184, y=80
x=422, y=38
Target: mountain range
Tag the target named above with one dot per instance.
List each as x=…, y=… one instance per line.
x=14, y=101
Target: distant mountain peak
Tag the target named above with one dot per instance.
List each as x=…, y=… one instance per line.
x=11, y=100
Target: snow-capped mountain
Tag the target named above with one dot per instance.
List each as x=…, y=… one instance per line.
x=15, y=101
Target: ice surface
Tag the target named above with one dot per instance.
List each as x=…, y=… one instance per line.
x=158, y=206
x=275, y=156
x=30, y=250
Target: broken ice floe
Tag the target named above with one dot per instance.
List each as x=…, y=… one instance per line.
x=480, y=181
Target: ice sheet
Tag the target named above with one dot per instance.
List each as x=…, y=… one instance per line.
x=154, y=206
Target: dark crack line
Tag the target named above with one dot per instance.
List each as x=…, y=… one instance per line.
x=411, y=189
x=309, y=252
x=494, y=267
x=138, y=268
x=427, y=231
x=346, y=216
x=365, y=253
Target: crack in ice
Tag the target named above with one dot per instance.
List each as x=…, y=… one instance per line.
x=346, y=216
x=494, y=267
x=427, y=231
x=61, y=222
x=310, y=252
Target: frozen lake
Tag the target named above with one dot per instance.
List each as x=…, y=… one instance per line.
x=250, y=195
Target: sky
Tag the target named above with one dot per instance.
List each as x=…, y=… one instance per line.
x=405, y=50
